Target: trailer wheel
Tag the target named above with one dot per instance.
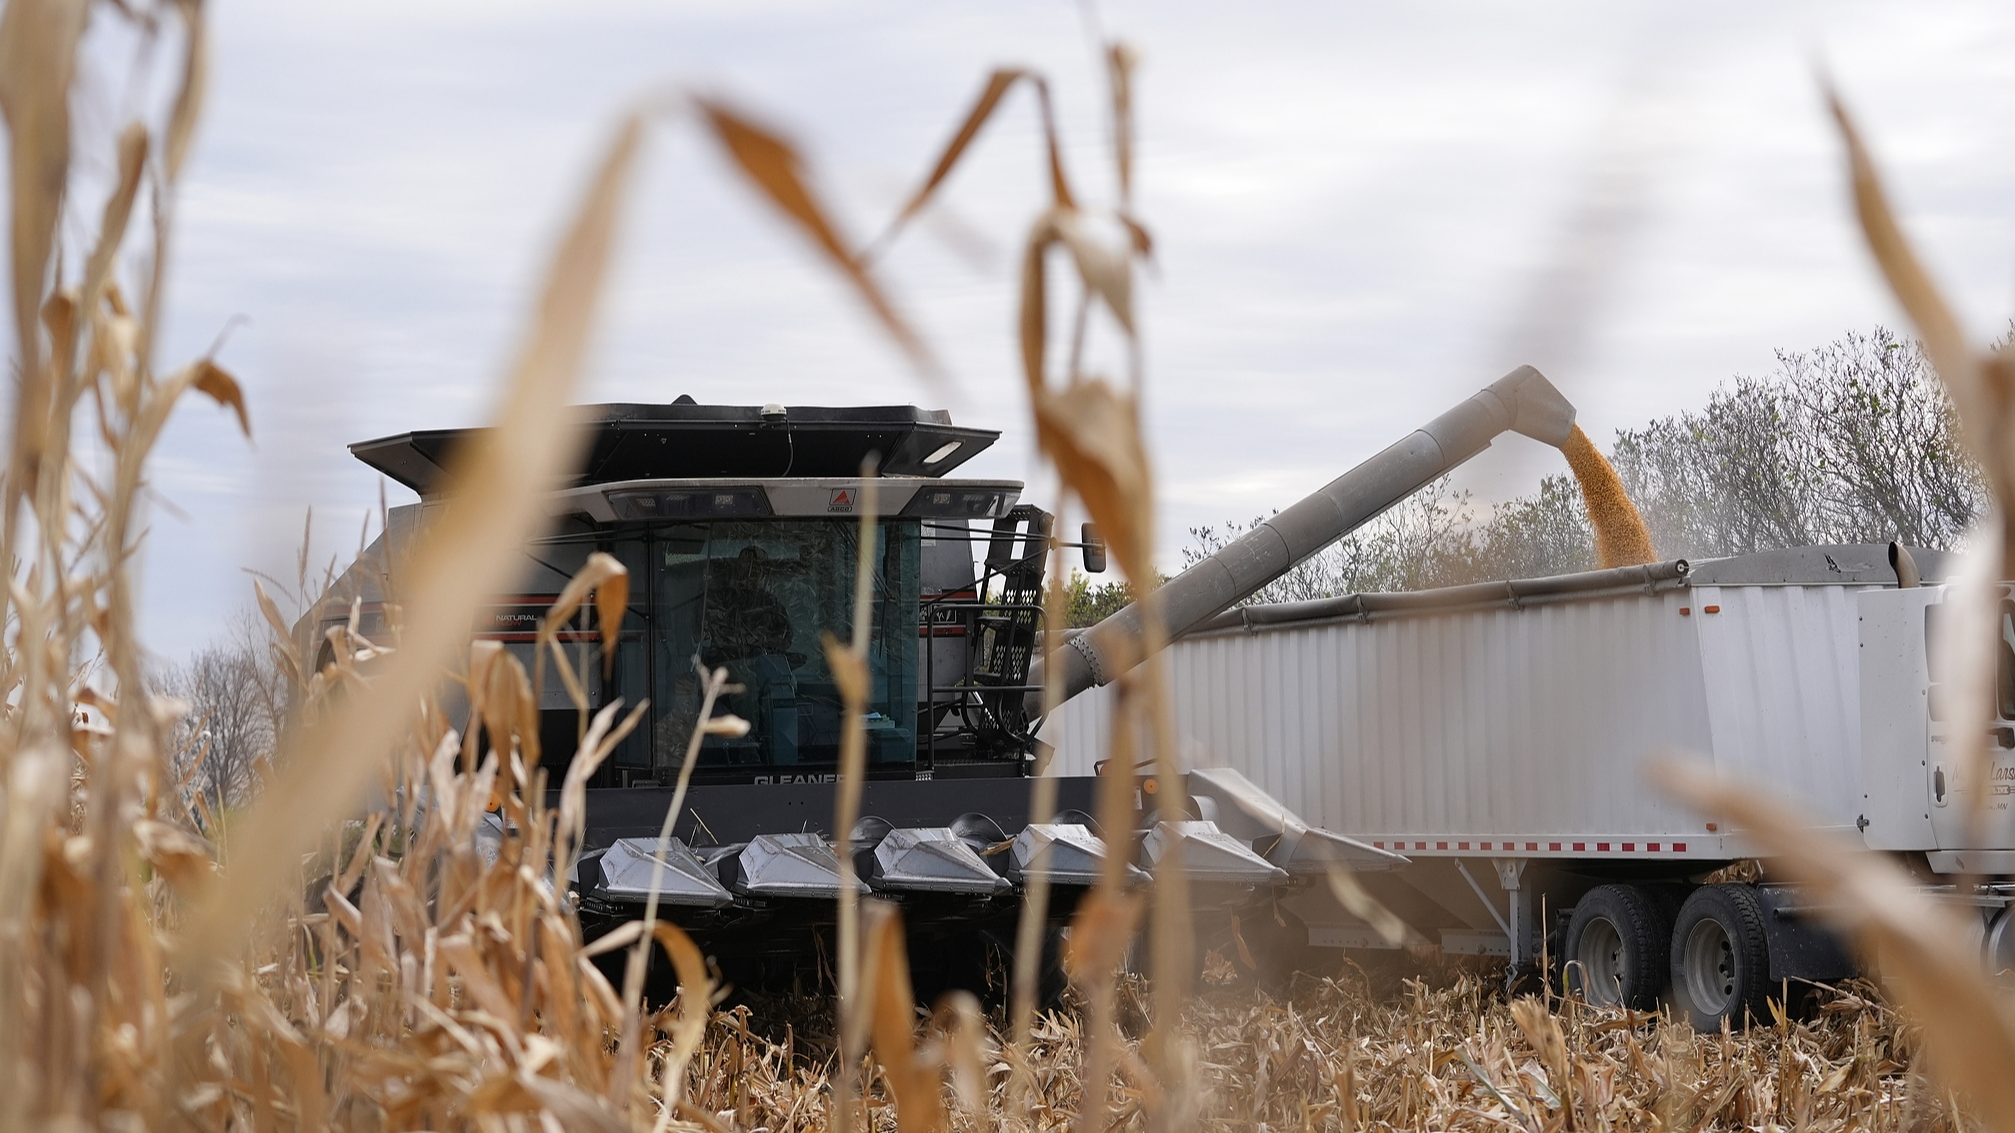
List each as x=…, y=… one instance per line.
x=1721, y=957
x=1616, y=948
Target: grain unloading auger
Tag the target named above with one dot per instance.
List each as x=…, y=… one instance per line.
x=1522, y=401
x=739, y=527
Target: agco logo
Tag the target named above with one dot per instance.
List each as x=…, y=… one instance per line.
x=842, y=500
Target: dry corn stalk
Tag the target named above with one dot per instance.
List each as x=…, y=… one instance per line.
x=1090, y=429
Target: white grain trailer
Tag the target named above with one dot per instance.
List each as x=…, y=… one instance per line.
x=1496, y=734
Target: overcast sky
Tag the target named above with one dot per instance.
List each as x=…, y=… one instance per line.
x=1362, y=212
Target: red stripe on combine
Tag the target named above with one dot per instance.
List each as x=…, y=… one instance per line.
x=1629, y=846
x=1679, y=847
x=1580, y=847
x=1553, y=845
x=1652, y=846
x=1535, y=846
x=1465, y=846
x=1602, y=847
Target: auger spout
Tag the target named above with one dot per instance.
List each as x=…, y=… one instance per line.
x=1522, y=401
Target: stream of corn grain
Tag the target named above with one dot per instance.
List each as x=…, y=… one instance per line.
x=1621, y=539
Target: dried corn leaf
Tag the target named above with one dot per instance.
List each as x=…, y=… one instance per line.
x=1936, y=325
x=211, y=380
x=118, y=212
x=187, y=861
x=1088, y=429
x=965, y=1047
x=38, y=52
x=1106, y=271
x=38, y=59
x=696, y=1006
x=573, y=1108
x=509, y=708
x=574, y=786
x=997, y=86
x=850, y=673
x=918, y=1097
x=773, y=165
x=1099, y=934
x=1120, y=61
x=195, y=83
x=1092, y=432
x=1352, y=896
x=726, y=724
x=609, y=580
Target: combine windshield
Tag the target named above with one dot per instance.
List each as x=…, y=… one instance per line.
x=754, y=596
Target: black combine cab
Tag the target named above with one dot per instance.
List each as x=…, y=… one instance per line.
x=740, y=529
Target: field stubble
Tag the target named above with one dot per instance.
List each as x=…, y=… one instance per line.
x=1395, y=1041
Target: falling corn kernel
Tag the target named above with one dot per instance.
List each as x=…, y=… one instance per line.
x=1620, y=535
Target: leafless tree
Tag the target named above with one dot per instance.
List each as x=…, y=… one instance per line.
x=1532, y=536
x=1853, y=442
x=237, y=706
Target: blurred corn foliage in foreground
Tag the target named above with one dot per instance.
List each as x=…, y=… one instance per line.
x=168, y=963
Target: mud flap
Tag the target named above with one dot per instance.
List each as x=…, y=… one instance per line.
x=1801, y=948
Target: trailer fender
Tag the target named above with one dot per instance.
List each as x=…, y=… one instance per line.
x=1800, y=947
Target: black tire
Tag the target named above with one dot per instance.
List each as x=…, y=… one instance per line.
x=1670, y=896
x=1721, y=958
x=1616, y=948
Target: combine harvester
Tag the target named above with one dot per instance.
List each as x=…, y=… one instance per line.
x=738, y=527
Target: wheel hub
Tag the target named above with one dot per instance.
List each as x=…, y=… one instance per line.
x=1603, y=966
x=1710, y=968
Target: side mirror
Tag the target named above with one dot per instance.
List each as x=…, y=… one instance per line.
x=1094, y=549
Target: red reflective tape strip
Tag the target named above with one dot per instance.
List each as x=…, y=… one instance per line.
x=1551, y=847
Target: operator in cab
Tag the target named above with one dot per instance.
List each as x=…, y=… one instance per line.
x=748, y=631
